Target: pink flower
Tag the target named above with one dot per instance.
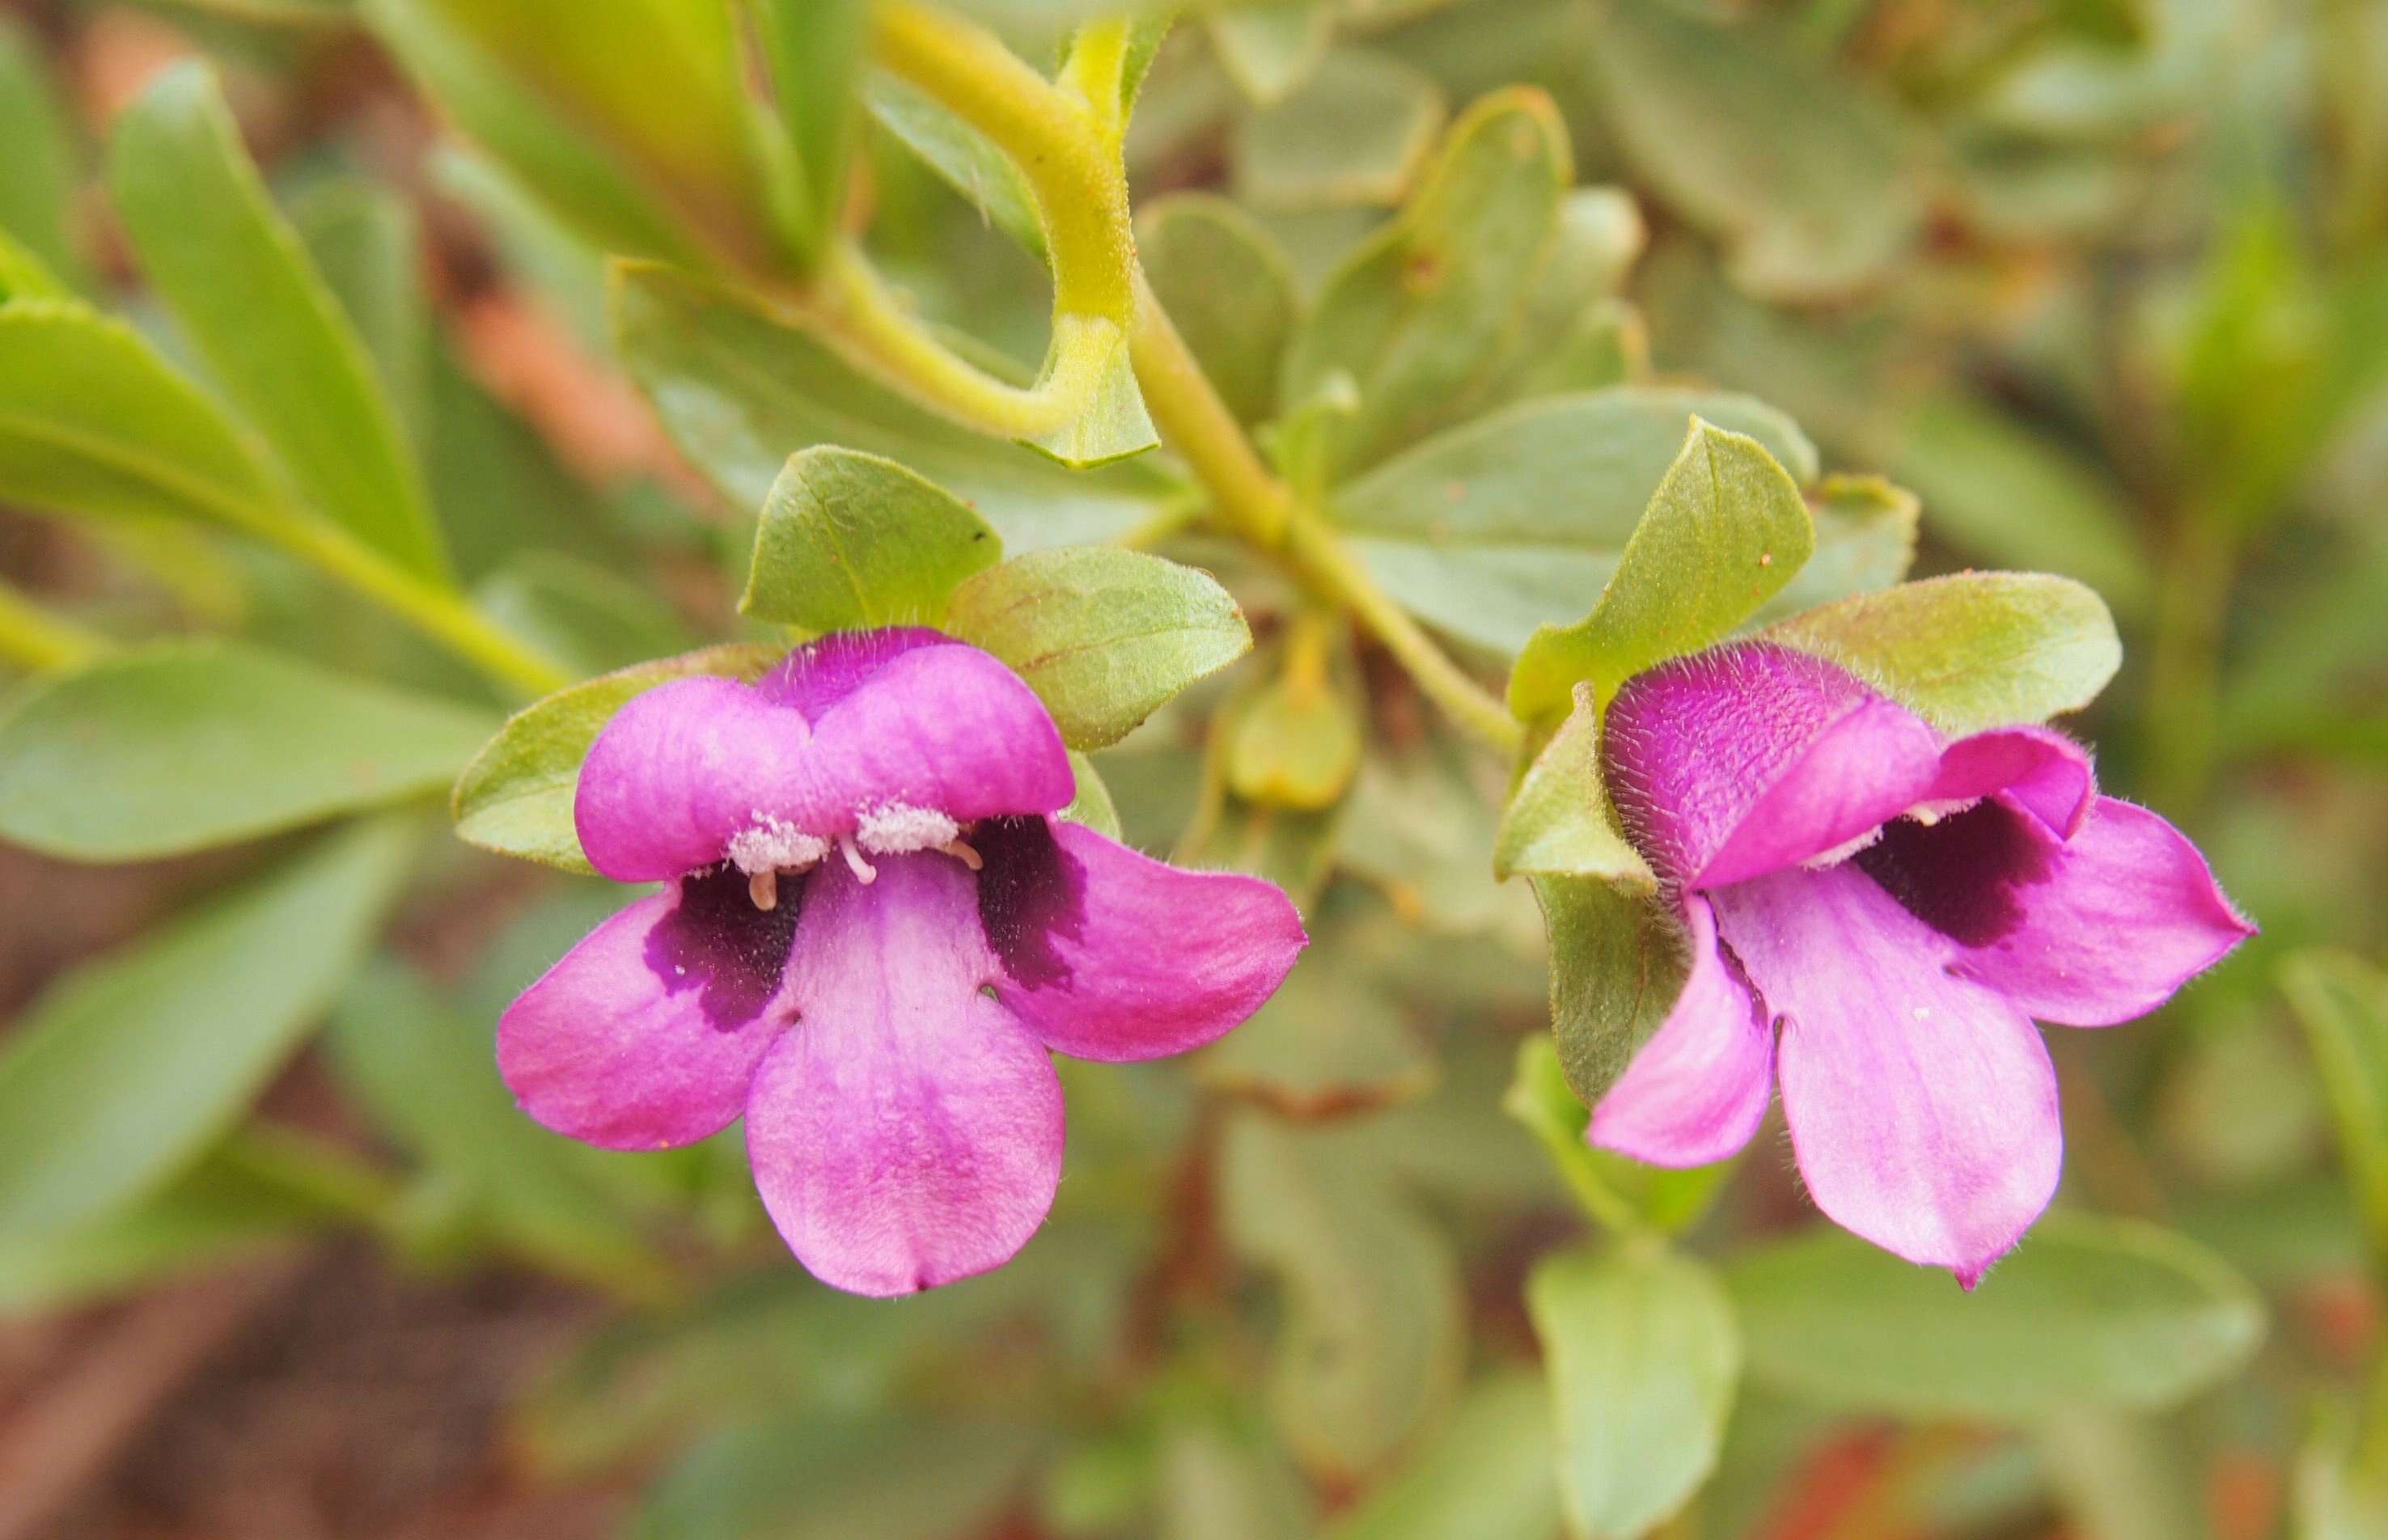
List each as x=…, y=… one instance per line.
x=872, y=934
x=1876, y=916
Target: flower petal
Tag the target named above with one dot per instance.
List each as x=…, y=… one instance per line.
x=646, y=1035
x=824, y=671
x=911, y=735
x=947, y=729
x=2130, y=913
x=907, y=1131
x=1739, y=761
x=1698, y=1088
x=681, y=769
x=2045, y=772
x=1108, y=954
x=1922, y=1106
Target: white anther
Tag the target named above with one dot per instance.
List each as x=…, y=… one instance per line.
x=763, y=888
x=961, y=851
x=894, y=829
x=864, y=872
x=1930, y=813
x=774, y=844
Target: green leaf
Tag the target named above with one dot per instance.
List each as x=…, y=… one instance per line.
x=850, y=541
x=738, y=394
x=816, y=51
x=515, y=797
x=1104, y=636
x=660, y=89
x=1558, y=822
x=1114, y=426
x=92, y=422
x=213, y=1215
x=260, y=316
x=2085, y=1313
x=1643, y=1357
x=1612, y=1190
x=2342, y=1002
x=1865, y=540
x=2335, y=1496
x=1270, y=47
x=1296, y=740
x=39, y=173
x=1805, y=173
x=1092, y=804
x=1975, y=466
x=1573, y=333
x=185, y=745
x=967, y=159
x=1619, y=958
x=557, y=160
x=1420, y=307
x=1724, y=531
x=1228, y=290
x=1374, y=1335
x=121, y=1073
x=1971, y=650
x=1355, y=132
x=588, y=618
x=1464, y=530
x=23, y=275
x=1487, y=1474
x=426, y=1073
x=364, y=239
x=1218, y=1488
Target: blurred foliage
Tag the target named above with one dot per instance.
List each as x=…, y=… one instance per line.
x=2100, y=288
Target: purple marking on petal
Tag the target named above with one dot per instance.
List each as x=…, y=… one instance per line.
x=717, y=942
x=827, y=669
x=1032, y=895
x=2131, y=913
x=1962, y=875
x=605, y=1050
x=1110, y=955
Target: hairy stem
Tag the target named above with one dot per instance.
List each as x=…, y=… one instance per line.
x=1065, y=139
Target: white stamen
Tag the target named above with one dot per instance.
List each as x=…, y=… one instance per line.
x=774, y=845
x=763, y=887
x=1930, y=813
x=864, y=872
x=896, y=829
x=961, y=851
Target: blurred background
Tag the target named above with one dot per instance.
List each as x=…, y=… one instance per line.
x=2103, y=284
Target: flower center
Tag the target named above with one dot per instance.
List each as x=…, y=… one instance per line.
x=771, y=848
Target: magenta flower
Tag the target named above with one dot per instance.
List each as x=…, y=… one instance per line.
x=872, y=934
x=1876, y=915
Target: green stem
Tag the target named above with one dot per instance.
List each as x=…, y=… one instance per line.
x=1322, y=560
x=1253, y=503
x=34, y=638
x=443, y=615
x=1065, y=138
x=319, y=1174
